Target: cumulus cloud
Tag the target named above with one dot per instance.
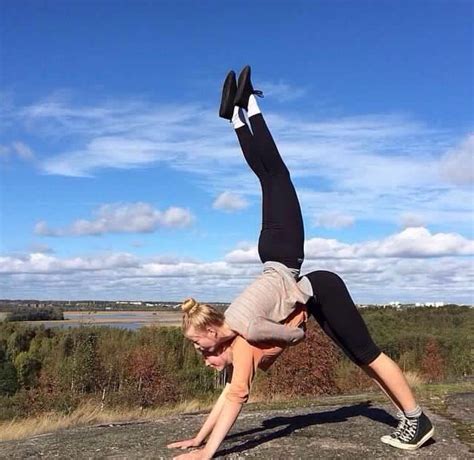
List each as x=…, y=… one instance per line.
x=44, y=263
x=411, y=242
x=122, y=218
x=334, y=220
x=370, y=277
x=457, y=165
x=230, y=202
x=243, y=255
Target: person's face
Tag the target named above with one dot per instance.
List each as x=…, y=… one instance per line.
x=218, y=360
x=203, y=340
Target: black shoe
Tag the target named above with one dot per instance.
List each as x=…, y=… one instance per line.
x=245, y=89
x=388, y=438
x=414, y=433
x=229, y=89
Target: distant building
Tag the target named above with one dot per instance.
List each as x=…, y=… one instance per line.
x=430, y=304
x=434, y=304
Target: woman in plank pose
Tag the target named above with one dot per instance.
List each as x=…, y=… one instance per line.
x=271, y=313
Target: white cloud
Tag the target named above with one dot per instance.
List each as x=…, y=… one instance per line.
x=245, y=255
x=457, y=165
x=372, y=167
x=411, y=242
x=419, y=242
x=44, y=263
x=389, y=269
x=415, y=242
x=122, y=218
x=228, y=201
x=334, y=220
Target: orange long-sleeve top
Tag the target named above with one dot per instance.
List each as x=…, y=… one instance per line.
x=247, y=357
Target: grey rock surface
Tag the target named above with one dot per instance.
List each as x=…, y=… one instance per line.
x=344, y=432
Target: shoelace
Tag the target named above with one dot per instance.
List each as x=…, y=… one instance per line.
x=409, y=430
x=400, y=428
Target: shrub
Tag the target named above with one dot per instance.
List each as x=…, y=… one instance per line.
x=308, y=368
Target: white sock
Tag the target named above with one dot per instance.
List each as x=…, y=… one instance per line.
x=238, y=118
x=252, y=108
x=416, y=412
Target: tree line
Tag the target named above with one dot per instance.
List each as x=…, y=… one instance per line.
x=35, y=314
x=45, y=369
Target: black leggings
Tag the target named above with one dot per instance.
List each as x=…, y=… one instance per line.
x=282, y=240
x=282, y=235
x=336, y=313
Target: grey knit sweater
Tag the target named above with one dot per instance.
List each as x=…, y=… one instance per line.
x=257, y=314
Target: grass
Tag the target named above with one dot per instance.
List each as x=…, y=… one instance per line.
x=90, y=414
x=430, y=395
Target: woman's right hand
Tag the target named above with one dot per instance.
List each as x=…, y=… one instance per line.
x=184, y=444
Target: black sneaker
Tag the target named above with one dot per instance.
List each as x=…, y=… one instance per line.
x=415, y=432
x=388, y=438
x=229, y=89
x=245, y=89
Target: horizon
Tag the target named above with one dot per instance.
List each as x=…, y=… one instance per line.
x=119, y=180
x=390, y=303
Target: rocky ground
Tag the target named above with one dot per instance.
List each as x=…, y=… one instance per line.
x=344, y=431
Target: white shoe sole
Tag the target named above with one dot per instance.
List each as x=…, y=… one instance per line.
x=386, y=439
x=394, y=442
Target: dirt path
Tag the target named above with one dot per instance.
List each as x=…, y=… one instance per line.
x=344, y=431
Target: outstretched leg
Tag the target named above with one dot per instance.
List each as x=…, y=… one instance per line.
x=282, y=235
x=338, y=316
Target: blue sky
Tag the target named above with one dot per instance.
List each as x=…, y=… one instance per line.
x=120, y=181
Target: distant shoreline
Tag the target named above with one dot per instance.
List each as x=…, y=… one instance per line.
x=97, y=318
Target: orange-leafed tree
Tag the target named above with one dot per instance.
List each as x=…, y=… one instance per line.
x=308, y=368
x=148, y=379
x=432, y=364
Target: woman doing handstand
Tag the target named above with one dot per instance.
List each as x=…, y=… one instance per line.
x=270, y=314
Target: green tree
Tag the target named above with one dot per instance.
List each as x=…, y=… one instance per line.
x=27, y=368
x=8, y=377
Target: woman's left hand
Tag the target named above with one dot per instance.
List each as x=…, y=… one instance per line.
x=198, y=454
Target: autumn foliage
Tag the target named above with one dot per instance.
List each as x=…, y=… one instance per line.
x=148, y=381
x=432, y=365
x=308, y=368
x=45, y=370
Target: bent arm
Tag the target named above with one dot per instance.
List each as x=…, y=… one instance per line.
x=262, y=329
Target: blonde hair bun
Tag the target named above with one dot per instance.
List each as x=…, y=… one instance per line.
x=188, y=305
x=200, y=315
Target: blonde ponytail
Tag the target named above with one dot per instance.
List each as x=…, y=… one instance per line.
x=200, y=315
